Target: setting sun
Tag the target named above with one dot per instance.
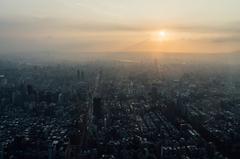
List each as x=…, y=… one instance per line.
x=162, y=34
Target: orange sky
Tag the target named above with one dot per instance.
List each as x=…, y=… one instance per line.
x=113, y=25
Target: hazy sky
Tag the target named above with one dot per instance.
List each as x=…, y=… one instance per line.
x=65, y=26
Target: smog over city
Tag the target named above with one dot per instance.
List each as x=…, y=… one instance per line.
x=111, y=79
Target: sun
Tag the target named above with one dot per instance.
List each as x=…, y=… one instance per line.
x=162, y=34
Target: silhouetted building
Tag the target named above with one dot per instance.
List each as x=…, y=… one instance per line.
x=97, y=107
x=82, y=90
x=78, y=74
x=82, y=75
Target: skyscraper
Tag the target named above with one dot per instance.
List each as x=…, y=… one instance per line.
x=97, y=108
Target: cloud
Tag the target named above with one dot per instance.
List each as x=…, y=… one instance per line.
x=41, y=33
x=43, y=23
x=230, y=39
x=206, y=29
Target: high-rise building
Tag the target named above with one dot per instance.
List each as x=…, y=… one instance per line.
x=82, y=75
x=97, y=108
x=82, y=90
x=78, y=74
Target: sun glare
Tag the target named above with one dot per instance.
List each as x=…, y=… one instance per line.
x=162, y=34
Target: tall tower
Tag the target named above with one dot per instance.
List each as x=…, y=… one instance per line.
x=82, y=75
x=97, y=108
x=78, y=75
